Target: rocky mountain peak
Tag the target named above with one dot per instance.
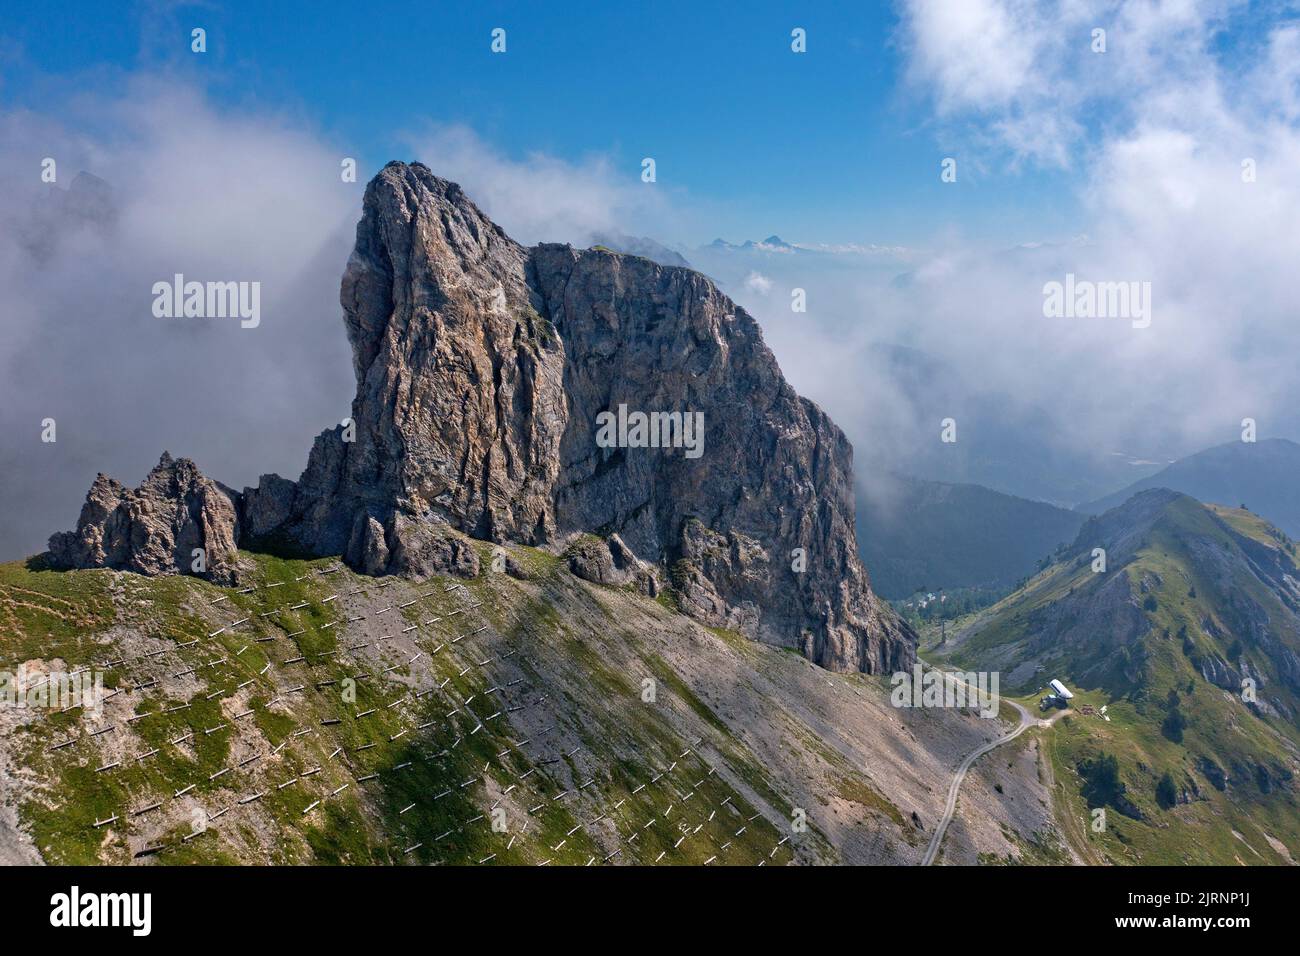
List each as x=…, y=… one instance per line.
x=509, y=393
x=156, y=528
x=1124, y=528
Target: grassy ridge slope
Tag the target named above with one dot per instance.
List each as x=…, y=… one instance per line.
x=492, y=720
x=1195, y=600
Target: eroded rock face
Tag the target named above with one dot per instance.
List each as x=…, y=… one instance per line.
x=610, y=561
x=155, y=529
x=481, y=369
x=459, y=407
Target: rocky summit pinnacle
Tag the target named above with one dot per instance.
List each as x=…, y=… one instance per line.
x=482, y=367
x=177, y=520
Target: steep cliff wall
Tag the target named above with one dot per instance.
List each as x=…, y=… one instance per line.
x=483, y=371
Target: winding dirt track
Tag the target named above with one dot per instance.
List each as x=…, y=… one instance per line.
x=1027, y=720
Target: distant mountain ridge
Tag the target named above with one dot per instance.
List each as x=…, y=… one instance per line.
x=934, y=535
x=642, y=246
x=1002, y=443
x=1263, y=476
x=772, y=243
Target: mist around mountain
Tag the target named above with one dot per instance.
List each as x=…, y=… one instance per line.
x=641, y=246
x=1263, y=476
x=929, y=535
x=1189, y=636
x=1001, y=443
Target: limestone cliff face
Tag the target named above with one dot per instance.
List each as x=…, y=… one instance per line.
x=459, y=408
x=482, y=367
x=771, y=490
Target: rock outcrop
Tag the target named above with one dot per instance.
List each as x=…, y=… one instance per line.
x=157, y=528
x=483, y=368
x=610, y=561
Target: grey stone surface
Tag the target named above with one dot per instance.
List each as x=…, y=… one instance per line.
x=154, y=529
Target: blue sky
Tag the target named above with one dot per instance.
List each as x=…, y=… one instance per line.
x=833, y=145
x=1122, y=167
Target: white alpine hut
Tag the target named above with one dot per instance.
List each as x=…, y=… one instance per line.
x=1061, y=690
x=1059, y=699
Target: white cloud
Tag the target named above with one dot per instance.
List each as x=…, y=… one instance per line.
x=1024, y=72
x=758, y=283
x=1155, y=131
x=543, y=198
x=973, y=53
x=215, y=195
